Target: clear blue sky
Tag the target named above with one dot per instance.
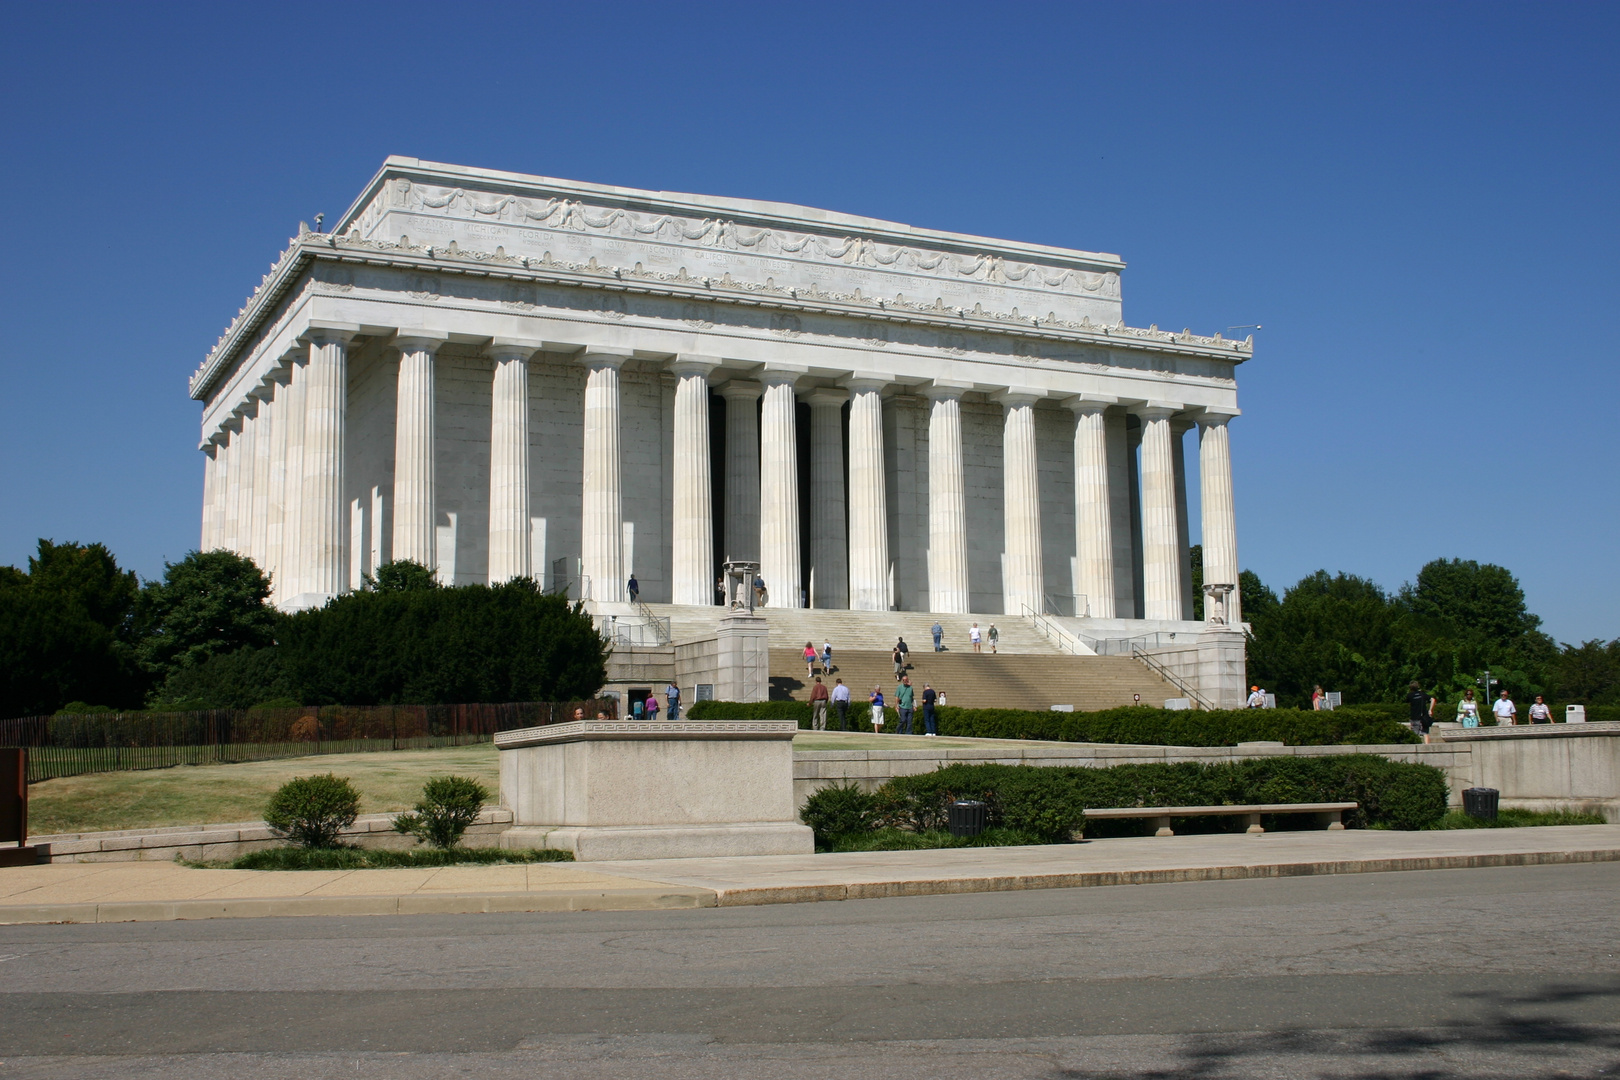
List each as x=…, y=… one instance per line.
x=1418, y=201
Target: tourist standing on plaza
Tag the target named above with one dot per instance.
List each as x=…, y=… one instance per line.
x=1468, y=710
x=930, y=718
x=840, y=700
x=652, y=707
x=809, y=660
x=1422, y=710
x=579, y=712
x=1507, y=714
x=633, y=587
x=637, y=708
x=672, y=694
x=1318, y=698
x=877, y=709
x=994, y=635
x=1539, y=713
x=759, y=591
x=906, y=699
x=1257, y=700
x=939, y=635
x=974, y=637
x=818, y=705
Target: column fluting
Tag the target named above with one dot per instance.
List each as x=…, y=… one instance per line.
x=1093, y=512
x=276, y=507
x=289, y=580
x=1161, y=546
x=947, y=503
x=1120, y=504
x=1178, y=446
x=602, y=520
x=829, y=551
x=742, y=469
x=210, y=515
x=693, y=542
x=264, y=434
x=325, y=525
x=509, y=460
x=779, y=490
x=244, y=484
x=1218, y=508
x=868, y=499
x=1023, y=582
x=415, y=467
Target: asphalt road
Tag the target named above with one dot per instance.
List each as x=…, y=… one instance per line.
x=1503, y=972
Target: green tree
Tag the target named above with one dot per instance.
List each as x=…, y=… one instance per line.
x=65, y=632
x=1588, y=673
x=208, y=604
x=428, y=646
x=401, y=575
x=235, y=680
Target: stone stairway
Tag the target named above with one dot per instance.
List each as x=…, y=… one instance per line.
x=863, y=630
x=980, y=680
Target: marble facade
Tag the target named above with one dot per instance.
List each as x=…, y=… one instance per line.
x=502, y=375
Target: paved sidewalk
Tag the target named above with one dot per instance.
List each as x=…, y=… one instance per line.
x=125, y=892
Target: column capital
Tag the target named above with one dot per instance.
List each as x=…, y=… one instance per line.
x=598, y=358
x=511, y=348
x=782, y=375
x=1012, y=397
x=693, y=364
x=939, y=390
x=1157, y=410
x=1215, y=417
x=865, y=382
x=1090, y=404
x=329, y=333
x=826, y=397
x=427, y=341
x=741, y=390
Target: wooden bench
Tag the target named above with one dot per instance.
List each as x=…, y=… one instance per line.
x=1330, y=813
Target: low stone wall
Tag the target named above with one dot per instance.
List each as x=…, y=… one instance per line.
x=212, y=843
x=1545, y=766
x=816, y=769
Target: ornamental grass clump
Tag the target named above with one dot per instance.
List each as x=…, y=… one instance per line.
x=313, y=811
x=448, y=806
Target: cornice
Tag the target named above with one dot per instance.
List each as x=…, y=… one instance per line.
x=309, y=248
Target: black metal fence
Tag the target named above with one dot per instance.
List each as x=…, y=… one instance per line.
x=71, y=744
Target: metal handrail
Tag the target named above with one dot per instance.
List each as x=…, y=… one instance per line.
x=1053, y=632
x=659, y=623
x=1164, y=673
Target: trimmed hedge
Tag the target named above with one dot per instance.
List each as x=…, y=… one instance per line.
x=1140, y=726
x=1051, y=802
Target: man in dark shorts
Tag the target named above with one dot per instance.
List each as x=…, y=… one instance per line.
x=1422, y=706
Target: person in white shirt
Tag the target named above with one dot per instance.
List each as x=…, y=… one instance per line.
x=1506, y=714
x=840, y=700
x=1539, y=712
x=974, y=636
x=1257, y=698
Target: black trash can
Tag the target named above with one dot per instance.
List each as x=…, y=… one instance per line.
x=1480, y=802
x=967, y=817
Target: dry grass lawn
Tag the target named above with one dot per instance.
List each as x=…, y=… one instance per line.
x=388, y=781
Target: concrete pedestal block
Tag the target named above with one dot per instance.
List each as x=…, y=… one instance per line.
x=744, y=660
x=611, y=789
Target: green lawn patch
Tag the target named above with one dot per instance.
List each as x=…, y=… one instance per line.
x=349, y=858
x=1516, y=819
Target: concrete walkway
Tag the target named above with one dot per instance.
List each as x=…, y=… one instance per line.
x=130, y=892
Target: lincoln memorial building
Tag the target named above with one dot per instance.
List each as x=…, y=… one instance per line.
x=500, y=375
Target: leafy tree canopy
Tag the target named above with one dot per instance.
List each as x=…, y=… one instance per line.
x=208, y=604
x=401, y=575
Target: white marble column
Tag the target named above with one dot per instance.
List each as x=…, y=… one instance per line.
x=210, y=517
x=325, y=524
x=246, y=470
x=1178, y=445
x=947, y=503
x=829, y=552
x=1120, y=505
x=779, y=490
x=1219, y=512
x=742, y=469
x=264, y=434
x=692, y=549
x=289, y=581
x=276, y=507
x=602, y=522
x=1022, y=579
x=1093, y=511
x=1161, y=547
x=509, y=551
x=868, y=498
x=415, y=426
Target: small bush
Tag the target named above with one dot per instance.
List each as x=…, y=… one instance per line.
x=838, y=811
x=349, y=858
x=1508, y=818
x=902, y=840
x=449, y=804
x=313, y=811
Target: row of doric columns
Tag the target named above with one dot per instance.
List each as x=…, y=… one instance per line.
x=274, y=487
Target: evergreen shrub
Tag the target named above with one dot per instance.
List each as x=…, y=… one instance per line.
x=448, y=806
x=313, y=811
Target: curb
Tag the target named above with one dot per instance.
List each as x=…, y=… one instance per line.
x=664, y=899
x=878, y=890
